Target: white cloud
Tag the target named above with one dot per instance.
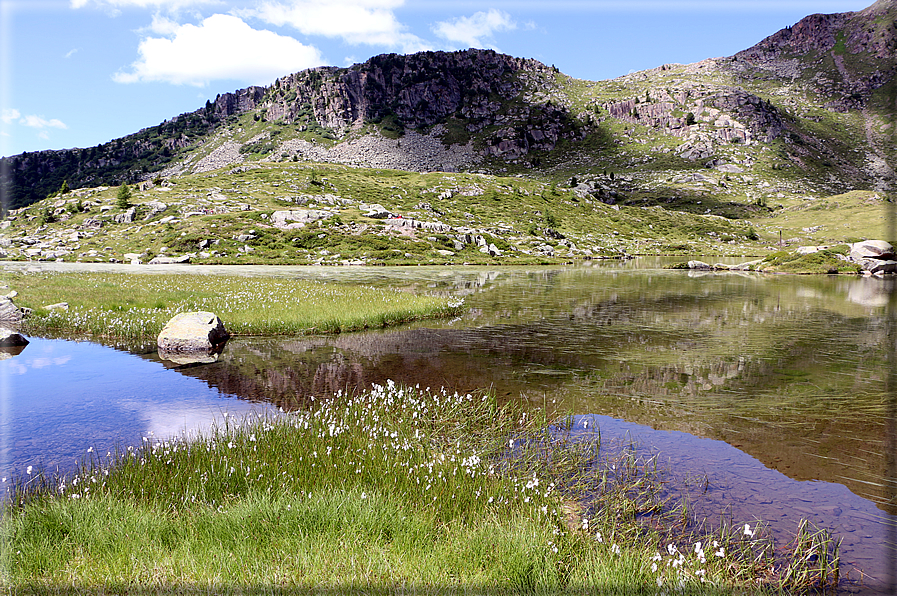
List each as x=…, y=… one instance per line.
x=475, y=31
x=9, y=115
x=71, y=53
x=41, y=122
x=163, y=26
x=169, y=4
x=370, y=22
x=221, y=47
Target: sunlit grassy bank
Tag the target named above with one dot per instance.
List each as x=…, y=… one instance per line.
x=397, y=490
x=136, y=307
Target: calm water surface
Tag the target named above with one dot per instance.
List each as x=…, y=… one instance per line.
x=770, y=388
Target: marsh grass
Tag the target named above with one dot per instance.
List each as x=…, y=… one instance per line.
x=136, y=307
x=395, y=490
x=823, y=261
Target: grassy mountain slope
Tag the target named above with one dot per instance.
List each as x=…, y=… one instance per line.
x=495, y=149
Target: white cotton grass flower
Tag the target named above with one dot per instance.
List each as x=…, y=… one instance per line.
x=747, y=531
x=28, y=470
x=615, y=549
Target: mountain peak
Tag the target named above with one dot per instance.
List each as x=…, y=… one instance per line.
x=872, y=30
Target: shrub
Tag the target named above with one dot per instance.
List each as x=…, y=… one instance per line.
x=46, y=216
x=123, y=198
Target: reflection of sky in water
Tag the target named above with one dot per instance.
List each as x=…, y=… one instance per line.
x=61, y=397
x=742, y=489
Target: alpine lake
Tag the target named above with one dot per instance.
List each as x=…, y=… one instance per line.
x=764, y=397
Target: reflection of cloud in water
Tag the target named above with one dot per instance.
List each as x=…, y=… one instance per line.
x=39, y=363
x=15, y=367
x=21, y=366
x=192, y=422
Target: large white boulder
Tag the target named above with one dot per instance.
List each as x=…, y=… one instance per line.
x=871, y=249
x=192, y=332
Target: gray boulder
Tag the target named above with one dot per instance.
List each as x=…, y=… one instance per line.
x=871, y=249
x=747, y=266
x=375, y=211
x=166, y=260
x=298, y=218
x=193, y=332
x=9, y=312
x=11, y=338
x=699, y=265
x=879, y=265
x=126, y=217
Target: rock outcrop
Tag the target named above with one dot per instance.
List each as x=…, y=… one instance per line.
x=9, y=312
x=874, y=256
x=298, y=218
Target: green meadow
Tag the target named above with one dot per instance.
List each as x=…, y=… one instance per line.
x=136, y=307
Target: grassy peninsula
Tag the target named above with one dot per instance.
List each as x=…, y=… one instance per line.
x=136, y=307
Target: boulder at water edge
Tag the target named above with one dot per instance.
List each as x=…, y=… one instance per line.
x=871, y=249
x=874, y=256
x=192, y=332
x=10, y=338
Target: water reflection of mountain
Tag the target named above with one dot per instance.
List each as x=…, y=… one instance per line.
x=789, y=369
x=771, y=407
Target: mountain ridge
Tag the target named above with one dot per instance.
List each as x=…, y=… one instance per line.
x=779, y=100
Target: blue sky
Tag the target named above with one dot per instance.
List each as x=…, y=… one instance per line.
x=77, y=73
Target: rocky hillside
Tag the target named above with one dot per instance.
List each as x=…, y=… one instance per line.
x=806, y=113
x=465, y=93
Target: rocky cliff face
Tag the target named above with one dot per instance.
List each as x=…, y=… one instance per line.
x=481, y=91
x=846, y=57
x=478, y=92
